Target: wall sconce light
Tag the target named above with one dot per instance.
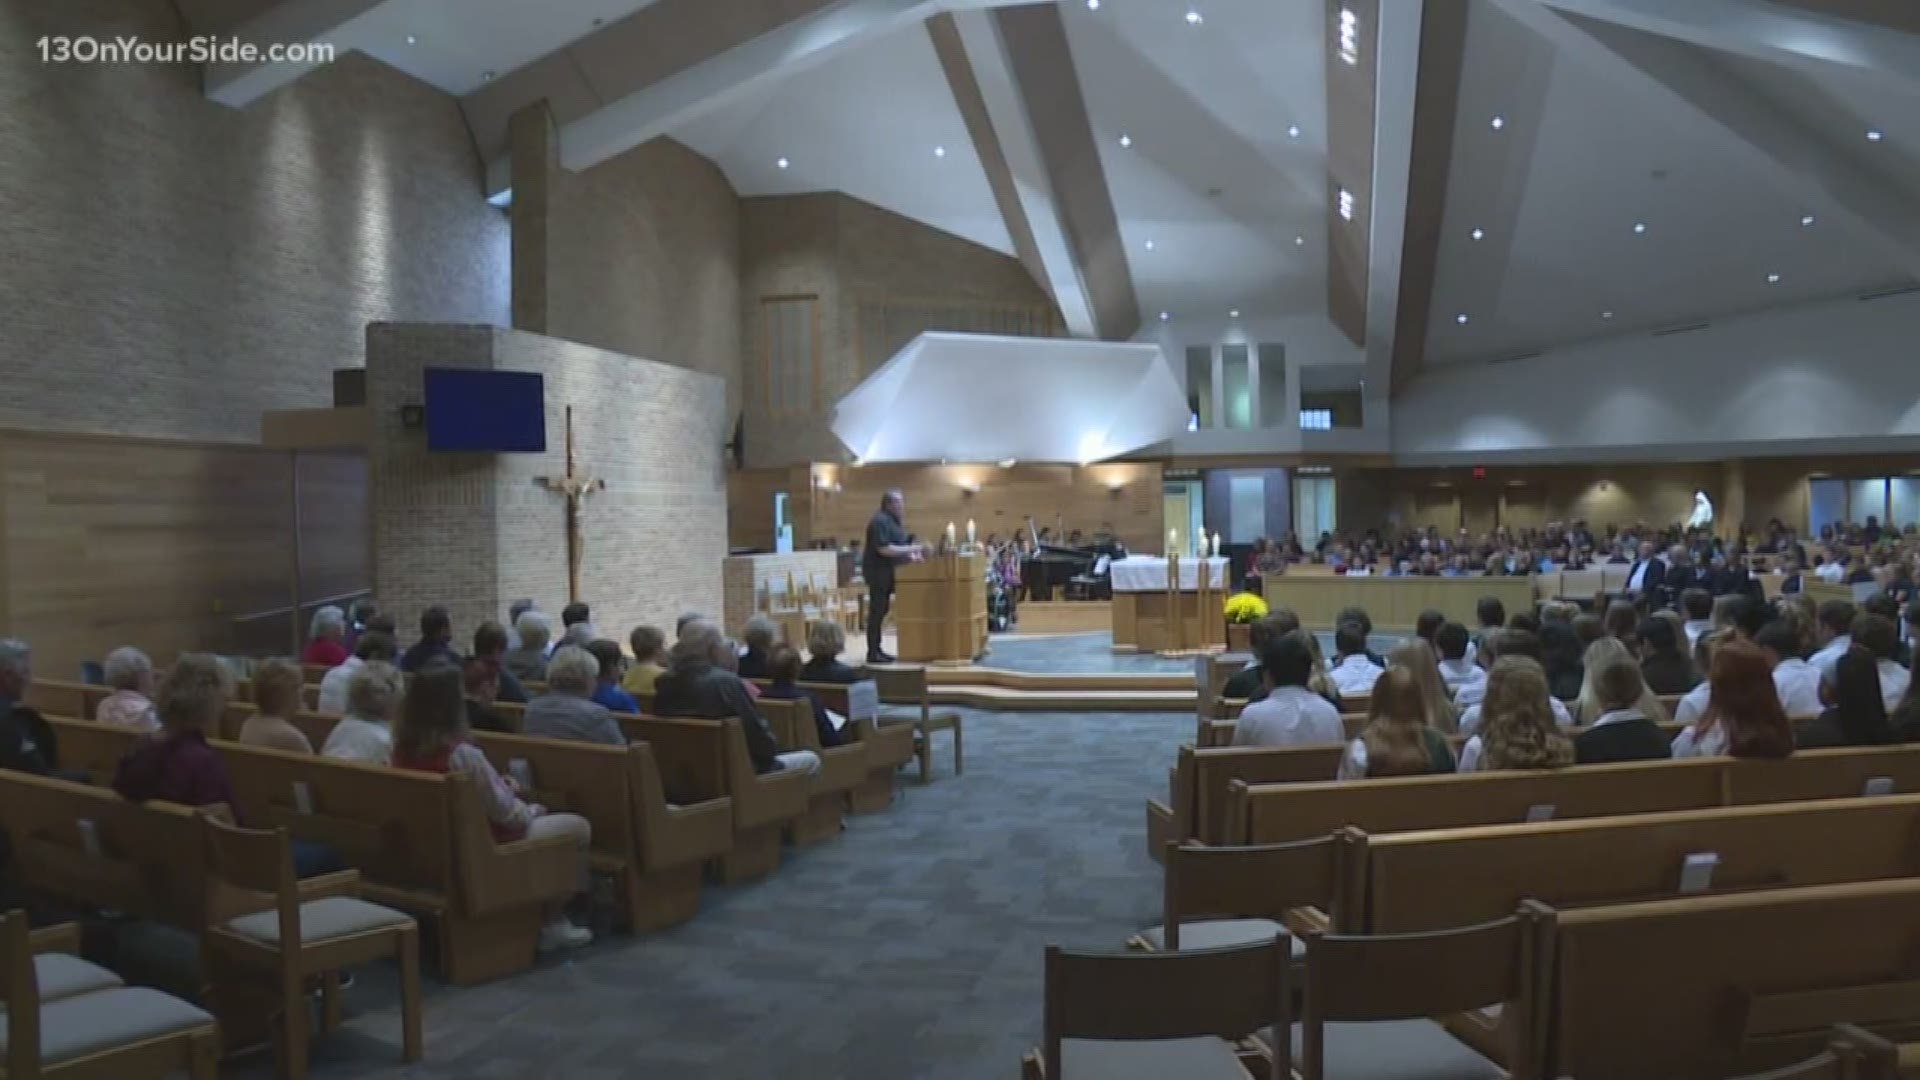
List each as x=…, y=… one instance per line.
x=1114, y=486
x=970, y=488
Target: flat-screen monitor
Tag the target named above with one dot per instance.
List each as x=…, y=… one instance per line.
x=486, y=411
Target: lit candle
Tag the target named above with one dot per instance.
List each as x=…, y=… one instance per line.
x=1173, y=541
x=949, y=534
x=1216, y=545
x=969, y=532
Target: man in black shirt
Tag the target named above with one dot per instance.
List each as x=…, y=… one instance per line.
x=887, y=543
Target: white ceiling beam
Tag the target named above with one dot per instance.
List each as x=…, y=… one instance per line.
x=237, y=85
x=1764, y=31
x=1833, y=174
x=1009, y=115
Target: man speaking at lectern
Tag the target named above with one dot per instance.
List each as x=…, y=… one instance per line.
x=887, y=543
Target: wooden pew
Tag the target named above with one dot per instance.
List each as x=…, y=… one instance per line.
x=889, y=746
x=1706, y=987
x=53, y=697
x=1275, y=813
x=842, y=768
x=1434, y=879
x=653, y=851
x=707, y=759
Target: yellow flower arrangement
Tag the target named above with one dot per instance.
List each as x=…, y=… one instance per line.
x=1245, y=607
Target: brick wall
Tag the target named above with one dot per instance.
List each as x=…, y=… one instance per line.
x=176, y=267
x=476, y=531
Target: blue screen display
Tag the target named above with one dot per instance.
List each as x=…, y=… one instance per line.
x=486, y=411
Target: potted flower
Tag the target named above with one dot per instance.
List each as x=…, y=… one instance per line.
x=1241, y=610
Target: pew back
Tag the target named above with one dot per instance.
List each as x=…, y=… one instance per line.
x=88, y=846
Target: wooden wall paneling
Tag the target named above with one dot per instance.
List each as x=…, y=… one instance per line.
x=336, y=529
x=1126, y=495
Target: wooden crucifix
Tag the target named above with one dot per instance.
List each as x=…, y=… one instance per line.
x=576, y=488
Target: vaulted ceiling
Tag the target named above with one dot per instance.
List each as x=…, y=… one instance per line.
x=1450, y=181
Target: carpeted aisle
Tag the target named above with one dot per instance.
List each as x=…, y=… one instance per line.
x=910, y=947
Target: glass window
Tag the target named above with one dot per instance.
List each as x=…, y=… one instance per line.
x=1316, y=419
x=1903, y=495
x=1273, y=385
x=1246, y=508
x=1867, y=498
x=1313, y=507
x=1200, y=386
x=1826, y=504
x=1236, y=379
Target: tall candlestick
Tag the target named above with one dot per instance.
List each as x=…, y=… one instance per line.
x=969, y=532
x=949, y=534
x=1216, y=545
x=1173, y=542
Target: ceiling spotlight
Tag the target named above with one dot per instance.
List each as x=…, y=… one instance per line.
x=1875, y=134
x=1234, y=314
x=486, y=76
x=1346, y=205
x=1478, y=234
x=1126, y=142
x=1149, y=245
x=1193, y=17
x=1164, y=316
x=412, y=39
x=1606, y=314
x=1093, y=5
x=1498, y=122
x=1773, y=279
x=1805, y=220
x=1461, y=318
x=939, y=151
x=782, y=163
x=1299, y=241
x=1293, y=131
x=1639, y=227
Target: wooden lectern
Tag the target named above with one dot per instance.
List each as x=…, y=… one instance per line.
x=940, y=609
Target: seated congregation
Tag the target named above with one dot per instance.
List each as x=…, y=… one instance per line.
x=507, y=799
x=1567, y=841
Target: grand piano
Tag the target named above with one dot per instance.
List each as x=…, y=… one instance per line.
x=1079, y=573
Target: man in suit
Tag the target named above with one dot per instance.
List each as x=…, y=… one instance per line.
x=1647, y=576
x=887, y=543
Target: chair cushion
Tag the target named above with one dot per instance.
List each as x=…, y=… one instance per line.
x=1399, y=1050
x=90, y=1023
x=63, y=976
x=1150, y=1059
x=322, y=920
x=1221, y=934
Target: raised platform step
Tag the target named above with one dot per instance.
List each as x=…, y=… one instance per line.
x=979, y=696
x=988, y=675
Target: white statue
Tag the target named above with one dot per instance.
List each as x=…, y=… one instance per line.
x=1702, y=511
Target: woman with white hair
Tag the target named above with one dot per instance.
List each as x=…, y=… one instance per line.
x=130, y=705
x=758, y=636
x=528, y=660
x=365, y=733
x=326, y=638
x=567, y=710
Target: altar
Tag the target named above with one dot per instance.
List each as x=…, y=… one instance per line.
x=1150, y=617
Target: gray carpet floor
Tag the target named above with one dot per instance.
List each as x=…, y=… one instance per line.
x=908, y=947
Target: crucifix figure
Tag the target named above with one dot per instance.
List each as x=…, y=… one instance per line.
x=576, y=488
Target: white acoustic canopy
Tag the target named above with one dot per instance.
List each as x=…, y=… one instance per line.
x=979, y=397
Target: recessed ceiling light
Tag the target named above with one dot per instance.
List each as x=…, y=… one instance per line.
x=1639, y=227
x=939, y=151
x=1234, y=314
x=1093, y=5
x=782, y=163
x=1806, y=219
x=1606, y=314
x=1773, y=279
x=1293, y=131
x=1477, y=234
x=1346, y=205
x=1461, y=318
x=412, y=39
x=1875, y=134
x=1164, y=316
x=1299, y=241
x=1149, y=245
x=1497, y=122
x=486, y=76
x=1193, y=17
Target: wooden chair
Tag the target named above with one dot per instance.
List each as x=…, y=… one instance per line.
x=1226, y=896
x=1852, y=1054
x=903, y=685
x=106, y=1033
x=255, y=908
x=1159, y=1015
x=1369, y=1001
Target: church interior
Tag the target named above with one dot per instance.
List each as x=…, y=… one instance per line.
x=1348, y=539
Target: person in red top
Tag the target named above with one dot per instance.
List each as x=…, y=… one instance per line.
x=431, y=735
x=326, y=639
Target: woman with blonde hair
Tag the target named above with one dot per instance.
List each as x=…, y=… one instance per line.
x=1397, y=740
x=1320, y=682
x=1608, y=650
x=1517, y=727
x=1418, y=657
x=276, y=697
